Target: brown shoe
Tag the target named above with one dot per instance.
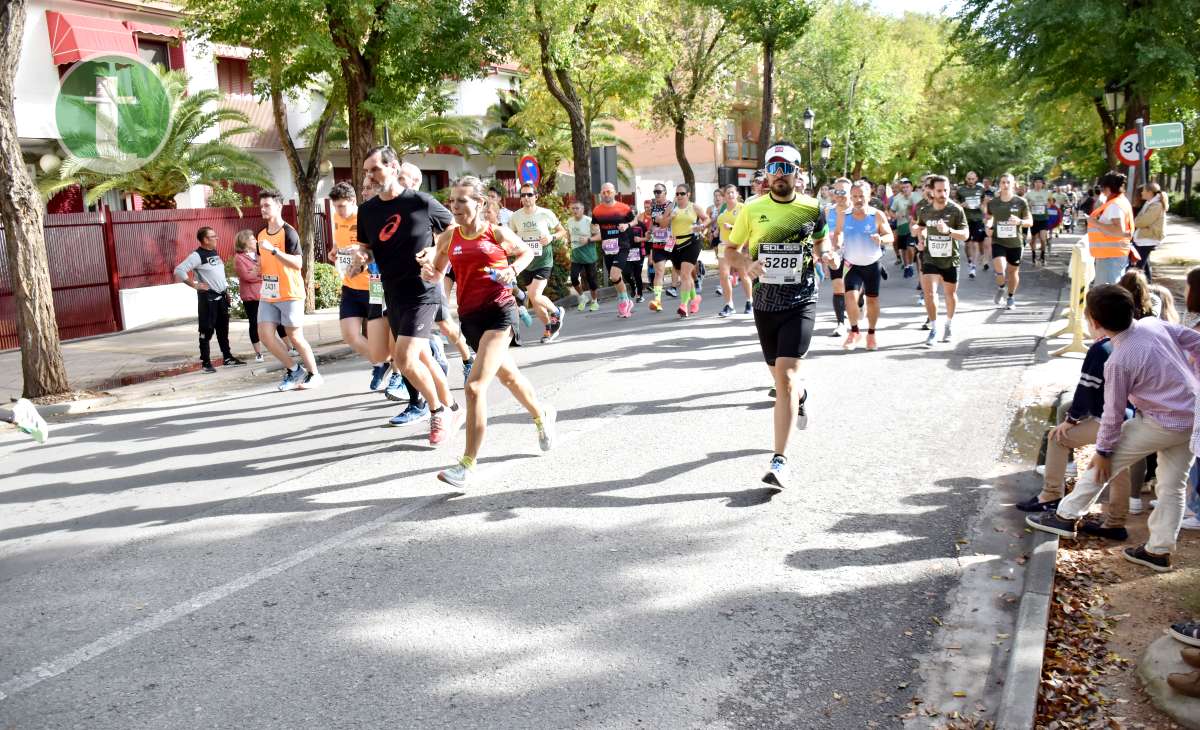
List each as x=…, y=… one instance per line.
x=1185, y=684
x=1191, y=656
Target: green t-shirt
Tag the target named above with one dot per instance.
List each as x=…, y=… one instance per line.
x=1004, y=233
x=971, y=199
x=1038, y=201
x=583, y=249
x=781, y=237
x=901, y=206
x=531, y=228
x=941, y=250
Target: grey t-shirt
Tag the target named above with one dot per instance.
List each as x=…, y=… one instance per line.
x=208, y=268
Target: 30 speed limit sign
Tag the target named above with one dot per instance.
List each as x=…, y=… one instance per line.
x=1128, y=148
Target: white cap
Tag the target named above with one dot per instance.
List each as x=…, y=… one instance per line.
x=784, y=152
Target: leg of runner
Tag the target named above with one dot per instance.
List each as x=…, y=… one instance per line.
x=539, y=302
x=689, y=300
x=1000, y=268
x=660, y=268
x=929, y=284
x=276, y=346
x=839, y=304
x=412, y=355
x=872, y=320
x=454, y=337
x=352, y=334
x=748, y=289
x=594, y=285
x=725, y=283
x=853, y=314
x=379, y=347
x=950, y=290
x=616, y=276
x=789, y=394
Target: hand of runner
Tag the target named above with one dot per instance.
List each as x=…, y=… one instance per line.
x=428, y=273
x=425, y=257
x=546, y=240
x=267, y=246
x=358, y=261
x=878, y=239
x=1060, y=432
x=942, y=227
x=622, y=227
x=754, y=270
x=507, y=275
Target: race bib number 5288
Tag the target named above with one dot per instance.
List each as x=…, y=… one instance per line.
x=783, y=263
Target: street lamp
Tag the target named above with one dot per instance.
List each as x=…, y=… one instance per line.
x=809, y=117
x=1114, y=98
x=826, y=151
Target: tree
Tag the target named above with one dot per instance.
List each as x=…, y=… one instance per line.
x=698, y=88
x=185, y=159
x=42, y=369
x=596, y=60
x=1150, y=49
x=774, y=26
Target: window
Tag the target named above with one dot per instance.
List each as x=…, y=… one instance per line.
x=154, y=52
x=730, y=130
x=233, y=76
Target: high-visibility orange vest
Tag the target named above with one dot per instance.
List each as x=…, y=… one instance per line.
x=1104, y=246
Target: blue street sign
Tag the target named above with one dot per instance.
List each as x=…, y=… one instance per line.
x=528, y=170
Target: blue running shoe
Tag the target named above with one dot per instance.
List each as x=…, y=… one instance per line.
x=467, y=369
x=395, y=388
x=377, y=374
x=414, y=412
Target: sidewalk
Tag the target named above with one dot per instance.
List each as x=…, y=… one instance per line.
x=1179, y=252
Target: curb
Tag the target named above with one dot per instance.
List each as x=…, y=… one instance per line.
x=1018, y=703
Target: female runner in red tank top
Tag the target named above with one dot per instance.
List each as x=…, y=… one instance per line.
x=478, y=252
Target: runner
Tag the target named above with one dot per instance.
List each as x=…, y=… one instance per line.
x=393, y=228
x=539, y=228
x=281, y=299
x=661, y=244
x=1005, y=214
x=204, y=271
x=503, y=215
x=729, y=279
x=901, y=211
x=841, y=205
x=583, y=257
x=687, y=220
x=478, y=253
x=1039, y=200
x=860, y=236
x=782, y=231
x=612, y=223
x=970, y=197
x=940, y=226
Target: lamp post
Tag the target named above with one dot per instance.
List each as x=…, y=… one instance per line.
x=826, y=151
x=809, y=117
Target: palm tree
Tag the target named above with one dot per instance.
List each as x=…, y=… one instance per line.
x=182, y=161
x=424, y=130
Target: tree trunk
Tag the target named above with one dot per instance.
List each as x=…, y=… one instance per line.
x=42, y=368
x=357, y=71
x=562, y=88
x=306, y=205
x=768, y=101
x=581, y=154
x=689, y=175
x=858, y=166
x=1108, y=124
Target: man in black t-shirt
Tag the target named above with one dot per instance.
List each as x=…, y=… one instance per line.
x=395, y=226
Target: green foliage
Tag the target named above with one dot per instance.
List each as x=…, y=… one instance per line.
x=327, y=286
x=197, y=151
x=224, y=196
x=237, y=308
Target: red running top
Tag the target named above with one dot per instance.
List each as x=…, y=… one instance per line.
x=471, y=258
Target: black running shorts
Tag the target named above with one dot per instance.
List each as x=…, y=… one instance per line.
x=787, y=333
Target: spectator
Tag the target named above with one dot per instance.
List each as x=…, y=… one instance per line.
x=1148, y=225
x=204, y=271
x=1110, y=230
x=1149, y=368
x=1192, y=319
x=245, y=265
x=1134, y=281
x=1163, y=302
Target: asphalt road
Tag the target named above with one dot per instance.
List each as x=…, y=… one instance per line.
x=283, y=560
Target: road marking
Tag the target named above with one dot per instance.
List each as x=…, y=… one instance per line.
x=105, y=644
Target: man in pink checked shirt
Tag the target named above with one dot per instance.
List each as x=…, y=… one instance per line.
x=1149, y=368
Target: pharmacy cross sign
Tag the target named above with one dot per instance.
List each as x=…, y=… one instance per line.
x=113, y=113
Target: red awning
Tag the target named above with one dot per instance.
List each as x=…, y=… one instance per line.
x=76, y=37
x=161, y=31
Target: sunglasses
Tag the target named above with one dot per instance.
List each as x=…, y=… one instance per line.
x=781, y=168
x=660, y=192
x=528, y=195
x=680, y=193
x=840, y=193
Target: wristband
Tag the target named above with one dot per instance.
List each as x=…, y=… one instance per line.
x=1072, y=420
x=1105, y=454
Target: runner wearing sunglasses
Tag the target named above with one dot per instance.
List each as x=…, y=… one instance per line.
x=661, y=244
x=841, y=205
x=783, y=234
x=687, y=221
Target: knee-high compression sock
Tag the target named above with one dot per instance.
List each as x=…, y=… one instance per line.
x=839, y=307
x=658, y=290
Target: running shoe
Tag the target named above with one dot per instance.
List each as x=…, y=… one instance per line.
x=971, y=272
x=1052, y=523
x=985, y=266
x=682, y=312
x=441, y=426
x=851, y=340
x=467, y=368
x=998, y=296
x=1010, y=304
x=208, y=368
x=932, y=338
x=640, y=298
x=456, y=476
x=1190, y=523
x=377, y=374
x=547, y=335
x=232, y=361
x=1095, y=527
x=1188, y=632
x=555, y=328
x=413, y=412
x=582, y=306
x=654, y=305
x=775, y=472
x=694, y=305
x=838, y=330
x=546, y=432
x=802, y=413
x=526, y=317
x=726, y=311
x=312, y=381
x=396, y=391
x=672, y=292
x=1154, y=561
x=946, y=336
x=258, y=357
x=926, y=325
x=749, y=308
x=293, y=378
x=720, y=291
x=872, y=344
x=594, y=306
x=883, y=273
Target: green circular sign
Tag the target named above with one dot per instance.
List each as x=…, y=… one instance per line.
x=113, y=113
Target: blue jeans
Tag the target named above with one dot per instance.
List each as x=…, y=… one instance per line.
x=1110, y=270
x=1193, y=490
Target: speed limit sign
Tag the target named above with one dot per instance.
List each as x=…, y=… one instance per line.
x=1128, y=147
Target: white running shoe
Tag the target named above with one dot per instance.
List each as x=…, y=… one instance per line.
x=946, y=336
x=776, y=474
x=546, y=432
x=932, y=338
x=312, y=382
x=456, y=476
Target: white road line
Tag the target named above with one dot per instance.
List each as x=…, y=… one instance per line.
x=105, y=644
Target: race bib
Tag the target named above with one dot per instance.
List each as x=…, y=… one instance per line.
x=783, y=263
x=610, y=246
x=1006, y=230
x=376, y=290
x=939, y=246
x=972, y=201
x=270, y=287
x=1038, y=209
x=535, y=245
x=635, y=254
x=659, y=237
x=343, y=262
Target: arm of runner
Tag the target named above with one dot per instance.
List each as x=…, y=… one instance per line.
x=701, y=218
x=290, y=256
x=595, y=232
x=740, y=237
x=516, y=249
x=184, y=270
x=962, y=232
x=436, y=258
x=883, y=231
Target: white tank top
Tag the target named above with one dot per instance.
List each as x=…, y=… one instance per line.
x=858, y=248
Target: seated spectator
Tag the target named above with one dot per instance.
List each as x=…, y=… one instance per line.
x=1135, y=282
x=1163, y=302
x=1149, y=368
